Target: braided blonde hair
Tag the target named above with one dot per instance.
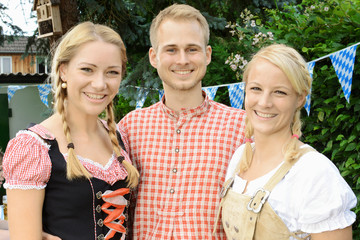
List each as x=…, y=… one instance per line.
x=294, y=67
x=65, y=50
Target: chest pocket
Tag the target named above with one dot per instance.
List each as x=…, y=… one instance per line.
x=240, y=223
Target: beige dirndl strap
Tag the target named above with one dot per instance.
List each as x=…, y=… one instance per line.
x=257, y=201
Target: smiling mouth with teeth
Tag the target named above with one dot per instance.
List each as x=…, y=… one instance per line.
x=94, y=96
x=265, y=115
x=183, y=72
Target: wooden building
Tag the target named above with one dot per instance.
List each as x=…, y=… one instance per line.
x=15, y=69
x=12, y=60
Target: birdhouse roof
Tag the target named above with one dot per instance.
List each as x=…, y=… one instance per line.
x=37, y=2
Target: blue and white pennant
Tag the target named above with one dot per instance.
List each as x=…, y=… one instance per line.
x=12, y=89
x=310, y=67
x=142, y=94
x=210, y=91
x=343, y=62
x=237, y=94
x=44, y=91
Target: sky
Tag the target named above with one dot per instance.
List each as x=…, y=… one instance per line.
x=20, y=12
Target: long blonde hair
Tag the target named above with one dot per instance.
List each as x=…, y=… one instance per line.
x=65, y=50
x=294, y=67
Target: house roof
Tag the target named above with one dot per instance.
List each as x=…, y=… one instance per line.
x=18, y=78
x=18, y=45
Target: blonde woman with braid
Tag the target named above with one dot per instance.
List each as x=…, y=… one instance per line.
x=69, y=176
x=278, y=188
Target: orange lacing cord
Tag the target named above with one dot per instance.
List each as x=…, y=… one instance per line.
x=115, y=219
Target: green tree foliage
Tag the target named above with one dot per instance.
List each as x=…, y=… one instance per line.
x=7, y=21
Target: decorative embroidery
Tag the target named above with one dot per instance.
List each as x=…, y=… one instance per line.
x=114, y=206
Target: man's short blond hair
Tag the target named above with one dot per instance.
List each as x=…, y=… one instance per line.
x=178, y=12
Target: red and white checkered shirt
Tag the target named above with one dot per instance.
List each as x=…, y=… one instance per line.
x=182, y=159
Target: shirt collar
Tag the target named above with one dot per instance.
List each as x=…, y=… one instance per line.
x=190, y=112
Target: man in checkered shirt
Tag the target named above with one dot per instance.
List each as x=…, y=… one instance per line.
x=182, y=144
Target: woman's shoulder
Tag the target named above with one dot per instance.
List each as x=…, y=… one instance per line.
x=314, y=162
x=26, y=158
x=36, y=135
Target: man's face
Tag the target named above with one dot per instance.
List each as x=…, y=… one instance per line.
x=181, y=56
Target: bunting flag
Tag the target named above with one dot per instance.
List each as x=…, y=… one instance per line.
x=211, y=91
x=12, y=89
x=161, y=94
x=44, y=91
x=142, y=93
x=237, y=94
x=343, y=62
x=310, y=67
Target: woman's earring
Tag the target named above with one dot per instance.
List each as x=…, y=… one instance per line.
x=64, y=85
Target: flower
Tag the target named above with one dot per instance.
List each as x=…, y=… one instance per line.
x=326, y=8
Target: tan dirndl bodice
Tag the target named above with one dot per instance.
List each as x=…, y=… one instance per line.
x=251, y=217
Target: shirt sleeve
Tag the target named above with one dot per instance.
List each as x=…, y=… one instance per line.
x=327, y=198
x=26, y=162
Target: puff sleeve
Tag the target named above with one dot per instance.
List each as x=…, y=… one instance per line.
x=26, y=162
x=325, y=199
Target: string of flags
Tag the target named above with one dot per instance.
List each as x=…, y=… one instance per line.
x=342, y=61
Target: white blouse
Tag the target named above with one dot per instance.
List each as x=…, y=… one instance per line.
x=313, y=197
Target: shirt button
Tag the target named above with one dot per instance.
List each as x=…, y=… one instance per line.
x=178, y=131
x=101, y=237
x=98, y=208
x=100, y=222
x=177, y=150
x=174, y=170
x=99, y=195
x=172, y=191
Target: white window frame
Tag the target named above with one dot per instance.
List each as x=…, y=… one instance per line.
x=2, y=62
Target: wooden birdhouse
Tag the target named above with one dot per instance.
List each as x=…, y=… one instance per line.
x=48, y=17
